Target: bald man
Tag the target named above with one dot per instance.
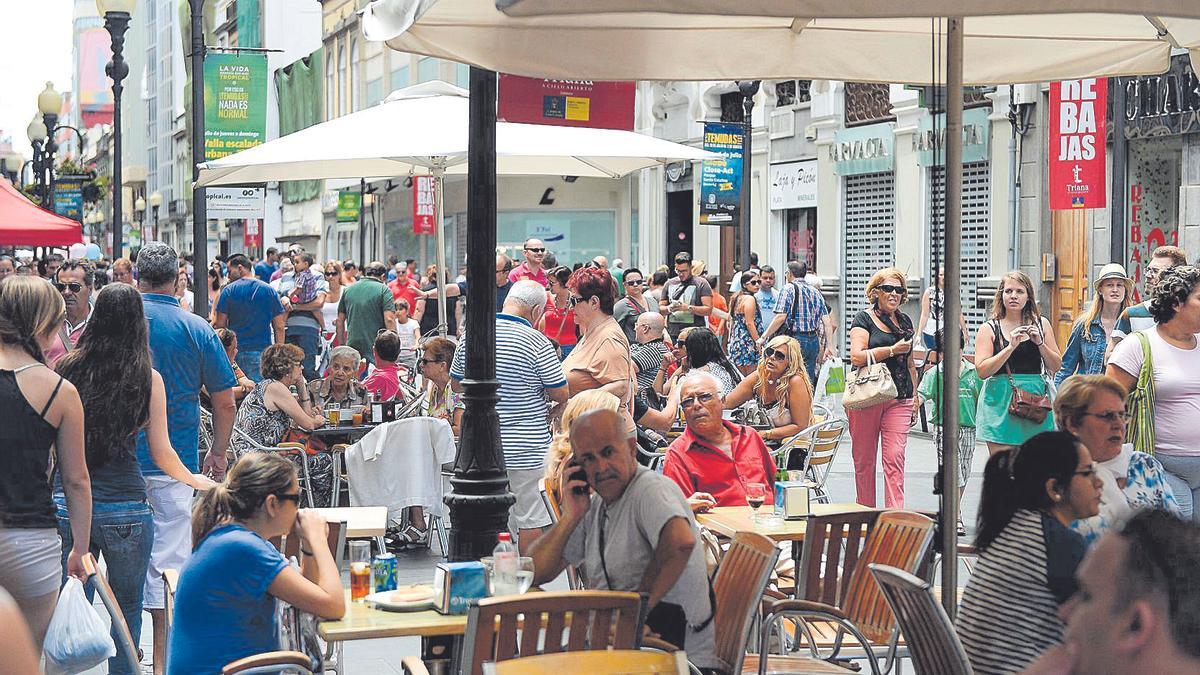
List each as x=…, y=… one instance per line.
x=650, y=348
x=631, y=530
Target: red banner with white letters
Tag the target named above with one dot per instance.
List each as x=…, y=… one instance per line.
x=566, y=103
x=424, y=205
x=1078, y=178
x=252, y=237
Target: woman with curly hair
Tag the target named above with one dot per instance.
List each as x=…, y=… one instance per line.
x=1175, y=362
x=781, y=388
x=600, y=360
x=113, y=355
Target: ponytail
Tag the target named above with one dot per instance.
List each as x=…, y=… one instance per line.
x=253, y=478
x=30, y=308
x=1015, y=479
x=211, y=510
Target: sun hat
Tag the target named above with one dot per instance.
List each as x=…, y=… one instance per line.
x=1113, y=271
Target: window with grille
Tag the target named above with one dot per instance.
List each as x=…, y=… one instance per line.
x=731, y=107
x=791, y=92
x=976, y=222
x=870, y=236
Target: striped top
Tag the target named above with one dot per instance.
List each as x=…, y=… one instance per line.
x=526, y=366
x=1009, y=611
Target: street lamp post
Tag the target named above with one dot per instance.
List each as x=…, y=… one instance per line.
x=199, y=207
x=139, y=217
x=50, y=104
x=36, y=131
x=116, y=22
x=156, y=200
x=748, y=88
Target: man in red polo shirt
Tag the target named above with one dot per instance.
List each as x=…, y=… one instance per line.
x=714, y=459
x=404, y=288
x=533, y=267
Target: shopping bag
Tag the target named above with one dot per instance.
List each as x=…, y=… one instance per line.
x=77, y=639
x=835, y=376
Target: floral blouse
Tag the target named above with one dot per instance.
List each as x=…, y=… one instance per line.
x=443, y=401
x=266, y=427
x=1145, y=488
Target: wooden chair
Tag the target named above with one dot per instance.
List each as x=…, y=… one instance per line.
x=611, y=662
x=572, y=621
x=170, y=579
x=900, y=539
x=574, y=578
x=271, y=662
x=932, y=643
x=125, y=642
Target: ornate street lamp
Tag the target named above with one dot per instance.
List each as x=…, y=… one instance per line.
x=156, y=200
x=12, y=166
x=748, y=89
x=36, y=131
x=116, y=15
x=50, y=104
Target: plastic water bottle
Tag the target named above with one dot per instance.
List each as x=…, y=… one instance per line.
x=505, y=566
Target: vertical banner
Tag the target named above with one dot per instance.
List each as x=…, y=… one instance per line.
x=721, y=179
x=253, y=234
x=568, y=103
x=348, y=205
x=235, y=103
x=1077, y=145
x=424, y=206
x=68, y=196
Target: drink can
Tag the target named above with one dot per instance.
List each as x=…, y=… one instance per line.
x=384, y=568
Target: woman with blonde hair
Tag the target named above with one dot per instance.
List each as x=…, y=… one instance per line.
x=883, y=334
x=333, y=277
x=560, y=445
x=1014, y=349
x=781, y=388
x=1084, y=353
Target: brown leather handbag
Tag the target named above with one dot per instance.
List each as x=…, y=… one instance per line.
x=1027, y=405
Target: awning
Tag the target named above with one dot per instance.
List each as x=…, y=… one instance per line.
x=23, y=223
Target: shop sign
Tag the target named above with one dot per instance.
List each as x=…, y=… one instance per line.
x=1152, y=184
x=348, y=206
x=976, y=137
x=568, y=103
x=236, y=202
x=235, y=103
x=794, y=185
x=1078, y=176
x=68, y=196
x=721, y=179
x=1159, y=105
x=252, y=236
x=424, y=206
x=867, y=149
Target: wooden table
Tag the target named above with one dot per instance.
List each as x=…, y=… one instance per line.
x=362, y=522
x=363, y=621
x=728, y=520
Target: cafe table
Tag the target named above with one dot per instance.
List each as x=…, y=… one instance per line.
x=362, y=522
x=441, y=634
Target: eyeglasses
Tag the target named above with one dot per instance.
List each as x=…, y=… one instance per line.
x=293, y=497
x=75, y=286
x=575, y=300
x=506, y=270
x=331, y=274
x=535, y=250
x=888, y=288
x=704, y=399
x=1110, y=417
x=634, y=282
x=777, y=354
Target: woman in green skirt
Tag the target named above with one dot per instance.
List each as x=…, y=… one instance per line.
x=1015, y=348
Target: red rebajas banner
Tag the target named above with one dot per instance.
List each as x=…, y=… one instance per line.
x=424, y=205
x=1078, y=179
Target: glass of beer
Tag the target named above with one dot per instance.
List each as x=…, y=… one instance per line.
x=358, y=417
x=360, y=570
x=333, y=414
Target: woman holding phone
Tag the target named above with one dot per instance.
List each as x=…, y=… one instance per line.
x=1014, y=349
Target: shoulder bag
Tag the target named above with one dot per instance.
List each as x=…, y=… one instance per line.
x=1024, y=404
x=870, y=385
x=1140, y=405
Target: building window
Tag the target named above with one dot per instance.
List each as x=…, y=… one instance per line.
x=427, y=69
x=330, y=110
x=868, y=103
x=355, y=102
x=400, y=78
x=374, y=91
x=341, y=90
x=802, y=235
x=791, y=92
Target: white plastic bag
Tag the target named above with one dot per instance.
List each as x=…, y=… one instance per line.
x=833, y=402
x=78, y=638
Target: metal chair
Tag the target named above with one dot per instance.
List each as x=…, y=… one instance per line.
x=550, y=501
x=285, y=449
x=125, y=642
x=820, y=443
x=932, y=643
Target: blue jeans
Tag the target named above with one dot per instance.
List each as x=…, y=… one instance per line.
x=307, y=338
x=249, y=361
x=123, y=532
x=810, y=348
x=1183, y=475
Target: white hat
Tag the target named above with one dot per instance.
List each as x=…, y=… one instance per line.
x=1113, y=271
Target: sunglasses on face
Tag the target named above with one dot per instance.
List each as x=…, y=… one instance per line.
x=575, y=300
x=506, y=270
x=888, y=288
x=634, y=282
x=75, y=286
x=755, y=282
x=703, y=399
x=331, y=274
x=535, y=250
x=777, y=354
x=293, y=498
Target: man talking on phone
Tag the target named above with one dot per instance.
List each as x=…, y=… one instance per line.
x=631, y=530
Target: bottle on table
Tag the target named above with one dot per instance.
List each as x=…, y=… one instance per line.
x=505, y=565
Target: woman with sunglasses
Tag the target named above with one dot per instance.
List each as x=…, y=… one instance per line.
x=558, y=321
x=781, y=388
x=440, y=400
x=232, y=526
x=747, y=323
x=1027, y=552
x=628, y=308
x=601, y=359
x=883, y=334
x=1093, y=408
x=1014, y=349
x=329, y=311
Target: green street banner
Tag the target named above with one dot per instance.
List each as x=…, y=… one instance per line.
x=235, y=103
x=348, y=205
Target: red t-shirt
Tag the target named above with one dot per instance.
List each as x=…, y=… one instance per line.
x=409, y=292
x=696, y=466
x=560, y=324
x=384, y=382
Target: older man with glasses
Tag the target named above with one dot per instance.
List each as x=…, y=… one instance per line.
x=534, y=266
x=74, y=281
x=714, y=460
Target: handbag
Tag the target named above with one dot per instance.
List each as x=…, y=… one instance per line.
x=1027, y=405
x=870, y=385
x=1139, y=407
x=312, y=445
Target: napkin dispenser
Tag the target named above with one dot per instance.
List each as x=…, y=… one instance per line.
x=455, y=585
x=792, y=499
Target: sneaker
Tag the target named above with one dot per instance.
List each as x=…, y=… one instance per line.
x=962, y=529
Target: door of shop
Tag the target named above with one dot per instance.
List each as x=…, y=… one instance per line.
x=870, y=223
x=1070, y=291
x=679, y=223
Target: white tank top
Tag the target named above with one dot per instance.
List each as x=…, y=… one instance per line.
x=329, y=312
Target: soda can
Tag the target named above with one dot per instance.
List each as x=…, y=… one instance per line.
x=384, y=568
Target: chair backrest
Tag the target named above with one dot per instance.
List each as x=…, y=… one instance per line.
x=170, y=579
x=336, y=538
x=573, y=621
x=928, y=632
x=900, y=539
x=611, y=662
x=833, y=545
x=741, y=579
x=827, y=437
x=271, y=662
x=126, y=644
x=554, y=510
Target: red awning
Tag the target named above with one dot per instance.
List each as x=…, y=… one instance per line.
x=23, y=223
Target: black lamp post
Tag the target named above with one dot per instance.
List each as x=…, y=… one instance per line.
x=116, y=21
x=748, y=88
x=50, y=104
x=199, y=206
x=37, y=137
x=156, y=200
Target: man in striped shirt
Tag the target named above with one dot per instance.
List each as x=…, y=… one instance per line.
x=647, y=353
x=799, y=313
x=528, y=370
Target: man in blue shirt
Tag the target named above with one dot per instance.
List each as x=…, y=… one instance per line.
x=187, y=353
x=251, y=308
x=267, y=266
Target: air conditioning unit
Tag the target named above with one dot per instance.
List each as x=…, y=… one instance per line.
x=1026, y=94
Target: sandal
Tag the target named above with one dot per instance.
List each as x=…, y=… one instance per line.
x=413, y=536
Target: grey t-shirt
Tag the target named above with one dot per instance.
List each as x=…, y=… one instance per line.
x=633, y=524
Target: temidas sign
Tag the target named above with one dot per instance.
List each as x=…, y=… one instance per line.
x=1077, y=150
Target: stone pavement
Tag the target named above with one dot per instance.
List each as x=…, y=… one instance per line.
x=382, y=657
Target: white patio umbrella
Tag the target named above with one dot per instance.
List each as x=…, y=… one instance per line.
x=986, y=41
x=422, y=130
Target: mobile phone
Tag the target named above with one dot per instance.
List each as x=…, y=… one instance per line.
x=576, y=472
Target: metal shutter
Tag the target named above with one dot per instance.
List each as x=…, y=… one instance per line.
x=976, y=220
x=870, y=222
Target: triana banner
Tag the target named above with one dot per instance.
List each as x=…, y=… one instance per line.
x=424, y=205
x=348, y=205
x=235, y=103
x=568, y=103
x=1077, y=149
x=721, y=179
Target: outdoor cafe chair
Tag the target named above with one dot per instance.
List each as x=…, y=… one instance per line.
x=610, y=662
x=125, y=642
x=932, y=643
x=554, y=510
x=285, y=449
x=820, y=443
x=837, y=600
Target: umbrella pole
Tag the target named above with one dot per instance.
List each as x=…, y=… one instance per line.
x=952, y=330
x=438, y=176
